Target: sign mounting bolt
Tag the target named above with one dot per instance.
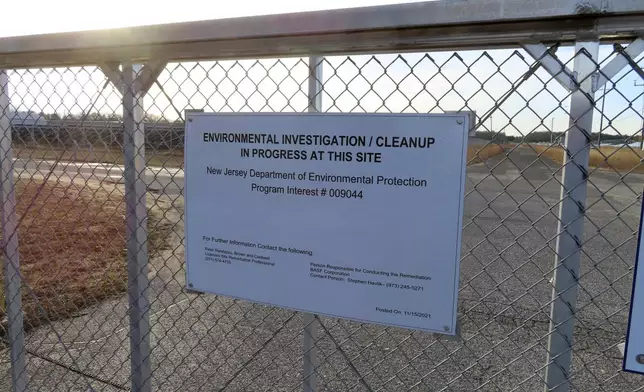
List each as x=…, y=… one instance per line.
x=640, y=359
x=459, y=121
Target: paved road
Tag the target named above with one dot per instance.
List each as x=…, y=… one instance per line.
x=201, y=342
x=166, y=180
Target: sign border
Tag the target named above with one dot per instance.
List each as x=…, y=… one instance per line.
x=630, y=311
x=464, y=115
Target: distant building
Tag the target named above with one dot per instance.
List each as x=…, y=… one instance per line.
x=27, y=118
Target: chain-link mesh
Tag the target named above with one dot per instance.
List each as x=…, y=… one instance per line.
x=68, y=134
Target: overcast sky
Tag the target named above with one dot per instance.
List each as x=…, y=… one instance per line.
x=450, y=81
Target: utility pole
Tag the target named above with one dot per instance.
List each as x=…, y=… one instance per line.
x=642, y=128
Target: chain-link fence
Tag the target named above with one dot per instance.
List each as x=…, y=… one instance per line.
x=94, y=219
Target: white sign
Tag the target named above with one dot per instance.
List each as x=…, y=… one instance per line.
x=634, y=352
x=355, y=216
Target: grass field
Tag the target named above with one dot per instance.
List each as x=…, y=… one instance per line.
x=478, y=154
x=72, y=247
x=158, y=158
x=174, y=159
x=622, y=159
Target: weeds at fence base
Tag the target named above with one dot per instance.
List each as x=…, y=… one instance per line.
x=72, y=247
x=622, y=159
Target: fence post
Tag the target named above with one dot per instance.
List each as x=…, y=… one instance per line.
x=11, y=255
x=571, y=220
x=137, y=230
x=310, y=323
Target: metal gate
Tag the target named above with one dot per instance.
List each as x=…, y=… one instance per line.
x=91, y=130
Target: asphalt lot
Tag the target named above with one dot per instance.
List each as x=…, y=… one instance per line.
x=202, y=342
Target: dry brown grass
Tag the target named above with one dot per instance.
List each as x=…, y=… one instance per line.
x=478, y=154
x=475, y=154
x=159, y=158
x=72, y=247
x=622, y=159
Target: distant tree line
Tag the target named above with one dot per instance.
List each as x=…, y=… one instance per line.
x=547, y=137
x=499, y=137
x=101, y=117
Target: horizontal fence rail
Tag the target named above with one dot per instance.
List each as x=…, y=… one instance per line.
x=95, y=296
x=395, y=28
